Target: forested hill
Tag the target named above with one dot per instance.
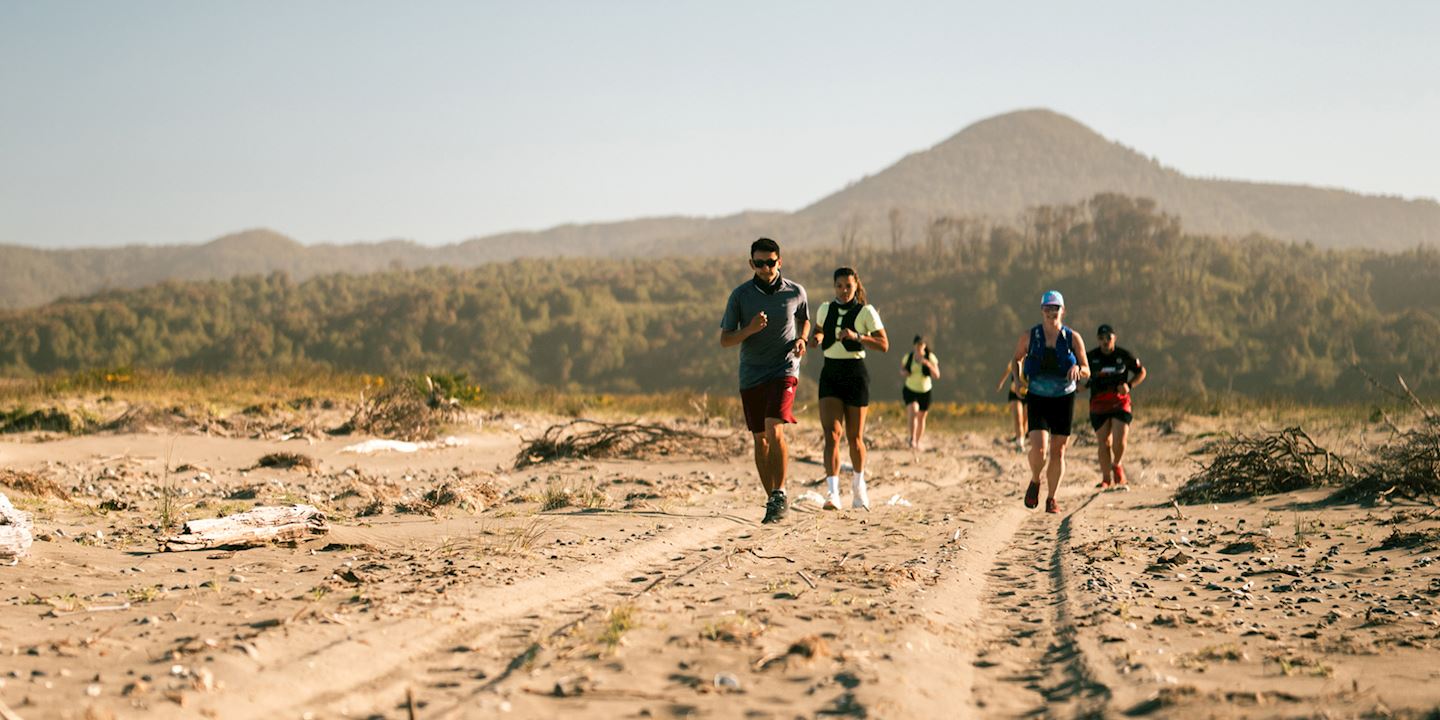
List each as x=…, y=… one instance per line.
x=995, y=168
x=1000, y=166
x=1206, y=315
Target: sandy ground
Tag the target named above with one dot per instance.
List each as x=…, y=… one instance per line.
x=444, y=590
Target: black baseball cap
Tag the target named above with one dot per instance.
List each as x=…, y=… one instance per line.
x=1105, y=330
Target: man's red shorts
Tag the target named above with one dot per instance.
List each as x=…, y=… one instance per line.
x=771, y=399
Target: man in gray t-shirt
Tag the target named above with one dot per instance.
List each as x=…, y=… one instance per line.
x=769, y=318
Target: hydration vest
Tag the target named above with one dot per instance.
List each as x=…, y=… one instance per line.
x=910, y=364
x=1040, y=360
x=832, y=318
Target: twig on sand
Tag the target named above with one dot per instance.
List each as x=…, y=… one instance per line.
x=770, y=557
x=6, y=713
x=806, y=578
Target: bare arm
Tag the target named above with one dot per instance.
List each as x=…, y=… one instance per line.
x=1135, y=381
x=1009, y=370
x=877, y=340
x=933, y=366
x=731, y=338
x=1081, y=371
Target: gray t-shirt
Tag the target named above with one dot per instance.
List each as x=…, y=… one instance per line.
x=767, y=355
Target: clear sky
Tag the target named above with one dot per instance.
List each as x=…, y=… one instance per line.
x=154, y=121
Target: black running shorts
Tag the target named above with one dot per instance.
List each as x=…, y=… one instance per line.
x=910, y=396
x=847, y=380
x=1010, y=396
x=1098, y=419
x=1050, y=414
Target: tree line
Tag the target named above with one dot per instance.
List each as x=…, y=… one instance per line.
x=1207, y=315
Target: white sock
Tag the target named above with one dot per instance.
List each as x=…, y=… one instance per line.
x=833, y=483
x=860, y=478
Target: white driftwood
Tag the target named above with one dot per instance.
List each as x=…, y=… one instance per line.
x=15, y=532
x=256, y=527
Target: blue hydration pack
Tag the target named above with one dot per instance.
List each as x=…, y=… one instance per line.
x=1040, y=360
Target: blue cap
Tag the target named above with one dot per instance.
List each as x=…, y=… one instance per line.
x=1052, y=297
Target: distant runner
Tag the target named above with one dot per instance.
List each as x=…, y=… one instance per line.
x=846, y=326
x=768, y=317
x=921, y=369
x=1015, y=395
x=1117, y=372
x=1054, y=361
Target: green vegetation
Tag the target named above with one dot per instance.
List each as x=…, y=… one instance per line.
x=1210, y=317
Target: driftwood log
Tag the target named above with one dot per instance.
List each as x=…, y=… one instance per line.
x=15, y=532
x=255, y=527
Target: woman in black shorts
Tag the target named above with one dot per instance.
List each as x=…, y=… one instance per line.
x=921, y=369
x=1015, y=396
x=845, y=327
x=1054, y=363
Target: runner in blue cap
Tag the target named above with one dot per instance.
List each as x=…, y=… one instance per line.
x=1054, y=361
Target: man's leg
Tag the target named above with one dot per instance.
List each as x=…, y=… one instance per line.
x=762, y=460
x=775, y=438
x=1102, y=440
x=1120, y=434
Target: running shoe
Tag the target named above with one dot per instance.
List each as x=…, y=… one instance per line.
x=1051, y=506
x=832, y=501
x=862, y=497
x=775, y=507
x=1032, y=495
x=1103, y=484
x=1119, y=475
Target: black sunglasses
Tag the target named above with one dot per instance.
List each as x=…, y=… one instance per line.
x=1050, y=308
x=764, y=263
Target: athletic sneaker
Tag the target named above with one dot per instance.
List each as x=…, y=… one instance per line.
x=1051, y=506
x=776, y=507
x=862, y=497
x=1032, y=495
x=1119, y=475
x=832, y=493
x=1103, y=484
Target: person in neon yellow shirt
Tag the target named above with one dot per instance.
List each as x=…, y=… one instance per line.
x=921, y=369
x=846, y=328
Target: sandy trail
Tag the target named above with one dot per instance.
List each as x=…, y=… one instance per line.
x=665, y=598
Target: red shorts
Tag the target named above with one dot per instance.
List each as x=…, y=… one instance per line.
x=771, y=399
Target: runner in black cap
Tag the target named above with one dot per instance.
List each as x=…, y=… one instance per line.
x=1115, y=373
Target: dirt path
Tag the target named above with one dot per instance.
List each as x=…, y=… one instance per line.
x=648, y=589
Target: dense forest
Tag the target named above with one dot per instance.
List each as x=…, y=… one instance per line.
x=1206, y=315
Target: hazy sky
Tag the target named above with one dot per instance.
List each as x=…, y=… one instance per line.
x=176, y=122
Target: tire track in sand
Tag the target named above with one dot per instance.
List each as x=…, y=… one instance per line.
x=1029, y=662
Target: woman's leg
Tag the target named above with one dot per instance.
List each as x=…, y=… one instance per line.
x=832, y=418
x=855, y=435
x=1056, y=467
x=920, y=427
x=912, y=415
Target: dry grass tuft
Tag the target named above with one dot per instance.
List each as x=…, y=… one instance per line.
x=1246, y=467
x=590, y=439
x=32, y=484
x=412, y=411
x=288, y=461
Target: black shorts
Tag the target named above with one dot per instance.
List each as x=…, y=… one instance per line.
x=910, y=396
x=847, y=380
x=1096, y=420
x=1051, y=414
x=1012, y=397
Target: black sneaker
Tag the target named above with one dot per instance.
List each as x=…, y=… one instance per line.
x=776, y=507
